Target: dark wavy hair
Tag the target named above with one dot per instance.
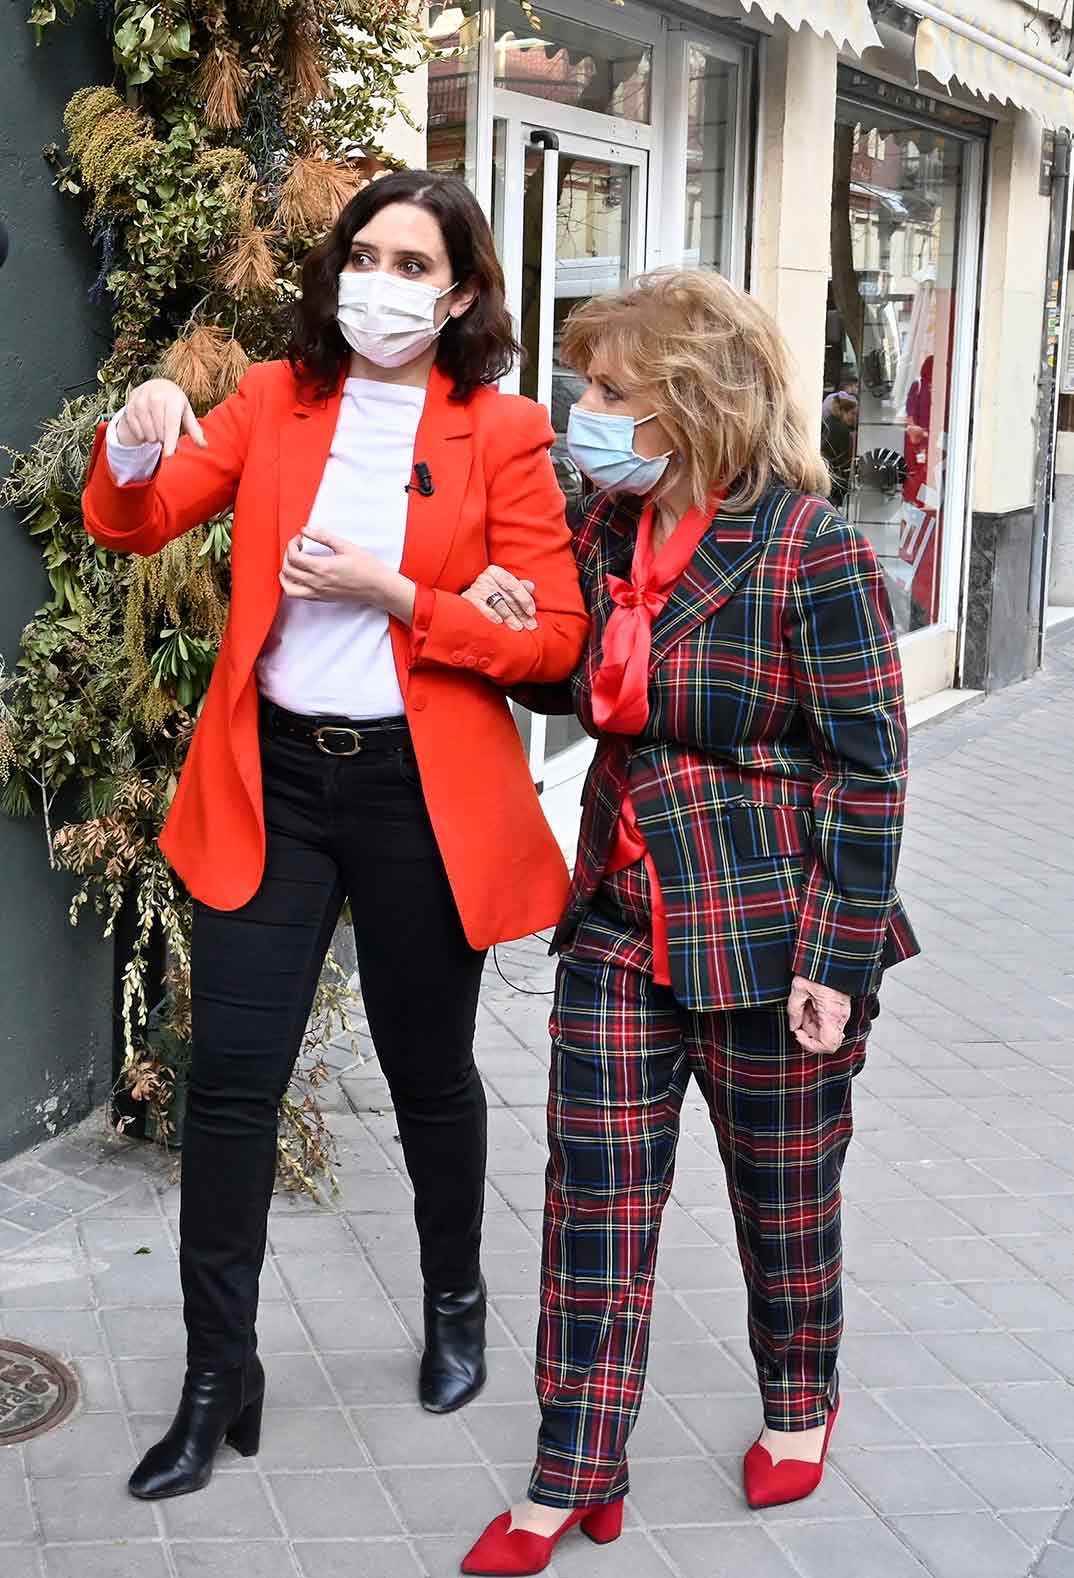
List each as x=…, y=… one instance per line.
x=476, y=348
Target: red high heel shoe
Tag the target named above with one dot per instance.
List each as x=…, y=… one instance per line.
x=769, y=1484
x=503, y=1552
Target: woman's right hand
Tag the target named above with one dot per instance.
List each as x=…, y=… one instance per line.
x=157, y=413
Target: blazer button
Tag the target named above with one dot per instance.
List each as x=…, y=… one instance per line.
x=416, y=700
x=456, y=657
x=471, y=661
x=484, y=662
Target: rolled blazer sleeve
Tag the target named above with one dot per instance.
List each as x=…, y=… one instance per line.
x=187, y=488
x=527, y=534
x=848, y=675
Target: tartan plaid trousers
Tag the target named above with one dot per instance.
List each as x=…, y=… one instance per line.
x=623, y=1053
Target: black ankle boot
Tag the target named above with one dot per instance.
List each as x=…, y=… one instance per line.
x=453, y=1365
x=216, y=1406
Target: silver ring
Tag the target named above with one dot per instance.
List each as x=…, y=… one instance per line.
x=495, y=597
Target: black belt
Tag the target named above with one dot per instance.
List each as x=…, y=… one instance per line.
x=336, y=736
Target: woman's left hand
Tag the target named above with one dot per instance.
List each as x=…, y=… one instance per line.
x=818, y=1015
x=345, y=573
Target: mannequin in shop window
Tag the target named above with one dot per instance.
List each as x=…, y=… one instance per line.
x=837, y=438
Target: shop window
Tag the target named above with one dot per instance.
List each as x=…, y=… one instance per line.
x=571, y=63
x=451, y=135
x=712, y=98
x=897, y=208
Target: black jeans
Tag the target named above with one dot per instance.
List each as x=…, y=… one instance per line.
x=337, y=827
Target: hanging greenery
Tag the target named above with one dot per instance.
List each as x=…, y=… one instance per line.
x=235, y=133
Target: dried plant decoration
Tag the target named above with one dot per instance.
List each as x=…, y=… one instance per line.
x=302, y=55
x=249, y=269
x=193, y=362
x=222, y=85
x=227, y=148
x=315, y=192
x=233, y=365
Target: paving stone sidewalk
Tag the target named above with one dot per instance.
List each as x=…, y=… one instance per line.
x=954, y=1455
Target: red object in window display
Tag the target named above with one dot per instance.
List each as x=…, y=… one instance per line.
x=918, y=534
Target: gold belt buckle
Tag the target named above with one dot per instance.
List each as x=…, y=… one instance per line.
x=327, y=728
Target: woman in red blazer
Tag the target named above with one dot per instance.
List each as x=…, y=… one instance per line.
x=355, y=744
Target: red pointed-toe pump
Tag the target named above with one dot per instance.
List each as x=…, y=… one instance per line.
x=503, y=1552
x=769, y=1484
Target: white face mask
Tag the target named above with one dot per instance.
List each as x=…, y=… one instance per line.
x=389, y=321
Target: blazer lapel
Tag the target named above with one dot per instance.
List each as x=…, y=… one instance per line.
x=305, y=441
x=444, y=445
x=728, y=550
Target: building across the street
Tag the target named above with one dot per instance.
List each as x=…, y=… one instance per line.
x=890, y=179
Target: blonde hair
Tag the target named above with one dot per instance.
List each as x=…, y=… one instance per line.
x=718, y=372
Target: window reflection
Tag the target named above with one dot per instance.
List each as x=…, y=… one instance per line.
x=552, y=57
x=894, y=241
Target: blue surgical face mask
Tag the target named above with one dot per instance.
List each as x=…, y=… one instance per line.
x=603, y=447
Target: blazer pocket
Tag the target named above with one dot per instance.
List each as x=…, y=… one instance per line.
x=769, y=832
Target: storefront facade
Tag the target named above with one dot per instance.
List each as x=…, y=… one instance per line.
x=874, y=176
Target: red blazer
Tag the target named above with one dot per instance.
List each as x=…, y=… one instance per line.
x=496, y=500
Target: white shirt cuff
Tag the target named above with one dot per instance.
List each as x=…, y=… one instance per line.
x=129, y=462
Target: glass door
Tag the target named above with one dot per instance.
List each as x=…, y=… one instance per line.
x=569, y=214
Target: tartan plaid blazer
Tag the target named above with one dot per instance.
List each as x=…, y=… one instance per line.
x=770, y=779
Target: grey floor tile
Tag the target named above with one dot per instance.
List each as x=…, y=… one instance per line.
x=330, y=1274
x=118, y=1238
x=662, y=1432
x=96, y=1385
x=206, y=1558
x=357, y=1559
x=506, y=1434
x=231, y=1507
x=965, y=1546
x=728, y=1552
x=405, y=1435
x=83, y=1444
x=119, y=1559
x=723, y=1424
x=1044, y=1411
x=92, y=1509
x=296, y=1381
x=893, y=1360
x=905, y=1480
x=336, y=1325
x=635, y=1552
x=682, y=1368
x=308, y=1438
x=983, y=1357
x=1013, y=1476
x=139, y=1280
x=339, y=1505
x=690, y=1490
x=16, y=1515
x=933, y=1307
x=372, y=1378
x=42, y=1284
x=948, y=1416
x=144, y=1334
x=847, y=1550
x=444, y=1500
x=1025, y=1306
x=68, y=1333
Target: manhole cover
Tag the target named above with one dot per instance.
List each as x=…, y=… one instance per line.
x=37, y=1392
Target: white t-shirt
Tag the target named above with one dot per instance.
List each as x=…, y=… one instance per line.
x=336, y=658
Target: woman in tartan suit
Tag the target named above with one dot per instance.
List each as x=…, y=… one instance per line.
x=733, y=904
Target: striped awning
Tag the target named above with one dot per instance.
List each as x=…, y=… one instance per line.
x=846, y=21
x=949, y=56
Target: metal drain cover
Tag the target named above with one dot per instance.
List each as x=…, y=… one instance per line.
x=37, y=1392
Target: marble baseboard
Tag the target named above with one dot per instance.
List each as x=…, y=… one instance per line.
x=1001, y=612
